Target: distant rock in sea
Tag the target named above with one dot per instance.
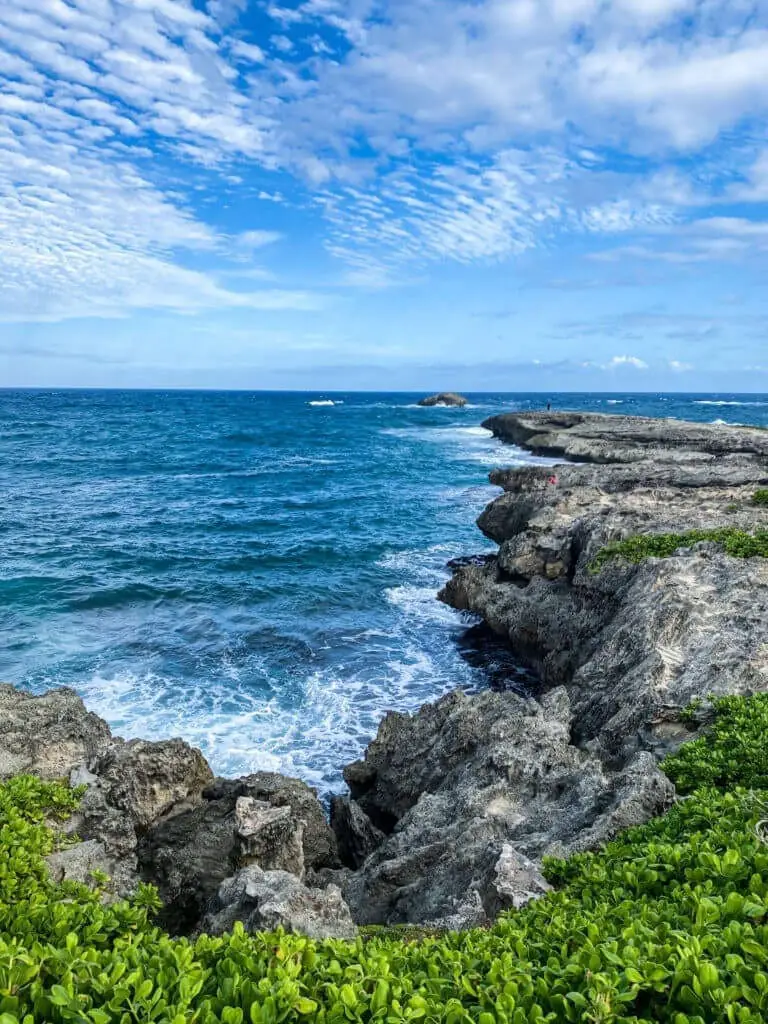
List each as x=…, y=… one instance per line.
x=444, y=398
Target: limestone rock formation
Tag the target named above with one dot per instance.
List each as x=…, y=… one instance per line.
x=190, y=854
x=154, y=812
x=632, y=643
x=47, y=736
x=469, y=780
x=267, y=900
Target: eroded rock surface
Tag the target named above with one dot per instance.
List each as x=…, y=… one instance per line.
x=154, y=812
x=633, y=643
x=267, y=900
x=47, y=736
x=473, y=783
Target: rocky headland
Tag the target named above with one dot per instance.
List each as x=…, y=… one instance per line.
x=451, y=809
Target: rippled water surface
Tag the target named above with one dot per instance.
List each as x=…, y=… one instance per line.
x=255, y=572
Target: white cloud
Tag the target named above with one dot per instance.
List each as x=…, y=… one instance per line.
x=257, y=239
x=678, y=366
x=619, y=361
x=447, y=100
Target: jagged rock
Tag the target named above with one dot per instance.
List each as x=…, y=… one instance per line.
x=444, y=398
x=98, y=819
x=189, y=855
x=149, y=780
x=269, y=836
x=356, y=834
x=267, y=900
x=79, y=863
x=319, y=842
x=516, y=881
x=47, y=735
x=633, y=640
x=467, y=777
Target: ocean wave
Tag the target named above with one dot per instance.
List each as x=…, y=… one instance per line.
x=324, y=401
x=309, y=729
x=614, y=401
x=710, y=401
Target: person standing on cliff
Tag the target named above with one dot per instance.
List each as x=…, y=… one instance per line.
x=549, y=406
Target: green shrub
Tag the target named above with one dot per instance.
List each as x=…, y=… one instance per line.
x=760, y=497
x=637, y=548
x=733, y=752
x=669, y=923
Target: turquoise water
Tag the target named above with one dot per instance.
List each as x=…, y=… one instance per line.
x=253, y=571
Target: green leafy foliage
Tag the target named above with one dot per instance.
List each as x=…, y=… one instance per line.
x=760, y=497
x=639, y=547
x=733, y=752
x=669, y=923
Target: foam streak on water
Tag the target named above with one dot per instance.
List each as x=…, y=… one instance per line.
x=253, y=572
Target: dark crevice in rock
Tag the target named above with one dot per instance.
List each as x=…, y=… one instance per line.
x=502, y=667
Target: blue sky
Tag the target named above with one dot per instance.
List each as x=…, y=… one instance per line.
x=500, y=194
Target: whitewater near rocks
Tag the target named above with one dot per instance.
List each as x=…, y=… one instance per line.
x=452, y=808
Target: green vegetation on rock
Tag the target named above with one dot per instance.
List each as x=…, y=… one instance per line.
x=636, y=549
x=760, y=497
x=733, y=752
x=668, y=923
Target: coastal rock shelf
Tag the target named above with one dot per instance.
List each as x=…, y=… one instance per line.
x=451, y=809
x=632, y=643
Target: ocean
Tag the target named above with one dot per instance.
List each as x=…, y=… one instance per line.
x=256, y=572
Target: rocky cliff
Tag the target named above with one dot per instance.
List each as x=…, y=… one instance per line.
x=632, y=643
x=451, y=809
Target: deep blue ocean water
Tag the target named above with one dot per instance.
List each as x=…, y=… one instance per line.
x=255, y=572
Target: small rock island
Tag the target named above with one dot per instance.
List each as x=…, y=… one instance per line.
x=445, y=398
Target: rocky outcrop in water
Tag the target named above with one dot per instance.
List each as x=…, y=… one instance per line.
x=448, y=398
x=451, y=809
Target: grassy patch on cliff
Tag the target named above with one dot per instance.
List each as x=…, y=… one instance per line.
x=668, y=923
x=760, y=497
x=636, y=549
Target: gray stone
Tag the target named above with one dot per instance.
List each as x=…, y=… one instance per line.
x=149, y=780
x=190, y=854
x=47, y=735
x=516, y=881
x=267, y=900
x=633, y=640
x=467, y=778
x=78, y=863
x=449, y=398
x=357, y=836
x=268, y=836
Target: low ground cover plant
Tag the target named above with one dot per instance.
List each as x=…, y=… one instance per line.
x=667, y=923
x=636, y=549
